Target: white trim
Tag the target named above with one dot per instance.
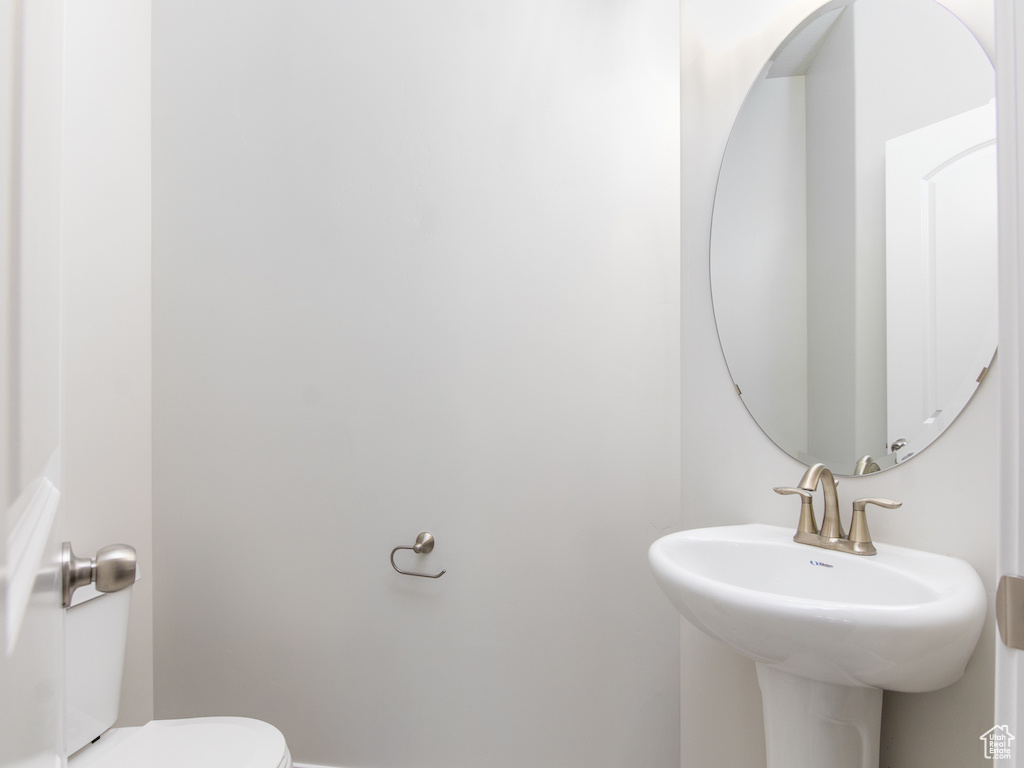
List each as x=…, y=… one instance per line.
x=1009, y=671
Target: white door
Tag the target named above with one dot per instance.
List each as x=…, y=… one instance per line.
x=31, y=621
x=941, y=265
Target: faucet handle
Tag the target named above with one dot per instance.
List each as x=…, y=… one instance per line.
x=861, y=504
x=799, y=491
x=808, y=526
x=859, y=540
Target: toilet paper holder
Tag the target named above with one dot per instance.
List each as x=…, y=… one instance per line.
x=424, y=544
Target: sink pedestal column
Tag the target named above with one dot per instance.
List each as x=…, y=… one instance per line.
x=810, y=724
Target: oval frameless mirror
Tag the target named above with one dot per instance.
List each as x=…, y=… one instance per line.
x=853, y=241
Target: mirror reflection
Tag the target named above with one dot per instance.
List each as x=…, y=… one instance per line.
x=853, y=243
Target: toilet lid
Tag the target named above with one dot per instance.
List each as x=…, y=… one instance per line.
x=202, y=742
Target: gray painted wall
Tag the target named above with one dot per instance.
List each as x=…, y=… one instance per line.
x=416, y=268
x=105, y=306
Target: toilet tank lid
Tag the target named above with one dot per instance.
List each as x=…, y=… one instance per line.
x=201, y=742
x=89, y=591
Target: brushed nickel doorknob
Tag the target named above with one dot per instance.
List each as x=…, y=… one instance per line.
x=111, y=570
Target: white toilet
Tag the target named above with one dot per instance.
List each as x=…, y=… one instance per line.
x=96, y=629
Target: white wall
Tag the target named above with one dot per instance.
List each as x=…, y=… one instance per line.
x=729, y=467
x=105, y=304
x=416, y=268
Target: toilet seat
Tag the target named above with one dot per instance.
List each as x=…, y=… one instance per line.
x=201, y=742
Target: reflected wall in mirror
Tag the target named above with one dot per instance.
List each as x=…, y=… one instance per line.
x=853, y=242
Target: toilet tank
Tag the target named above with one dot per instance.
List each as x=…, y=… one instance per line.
x=95, y=635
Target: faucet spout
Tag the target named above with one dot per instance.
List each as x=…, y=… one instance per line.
x=831, y=525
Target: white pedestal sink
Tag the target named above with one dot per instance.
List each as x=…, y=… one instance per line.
x=828, y=630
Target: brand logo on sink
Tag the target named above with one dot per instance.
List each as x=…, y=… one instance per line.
x=822, y=565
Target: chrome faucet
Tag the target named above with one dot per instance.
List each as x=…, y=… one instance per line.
x=831, y=534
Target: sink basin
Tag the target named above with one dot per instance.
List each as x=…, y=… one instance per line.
x=902, y=620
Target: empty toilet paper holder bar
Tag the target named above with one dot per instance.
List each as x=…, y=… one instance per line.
x=424, y=544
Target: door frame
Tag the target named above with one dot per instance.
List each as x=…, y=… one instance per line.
x=1009, y=27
